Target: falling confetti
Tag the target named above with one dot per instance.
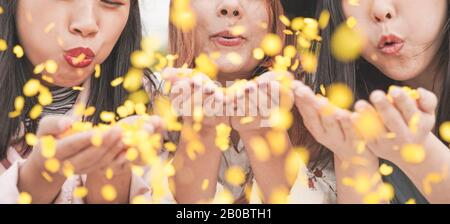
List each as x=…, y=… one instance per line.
x=109, y=193
x=271, y=44
x=346, y=43
x=413, y=153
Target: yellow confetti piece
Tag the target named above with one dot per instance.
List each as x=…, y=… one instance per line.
x=324, y=19
x=109, y=192
x=309, y=62
x=413, y=153
x=132, y=154
x=133, y=80
x=89, y=111
x=45, y=97
x=351, y=22
x=238, y=30
x=235, y=176
x=47, y=176
x=222, y=140
x=260, y=148
x=353, y=2
x=271, y=44
x=414, y=122
x=234, y=58
x=258, y=54
x=18, y=51
x=68, y=169
x=24, y=198
x=362, y=184
x=369, y=124
x=98, y=71
x=205, y=184
x=386, y=192
x=3, y=45
x=277, y=142
x=444, y=131
x=292, y=166
x=411, y=201
x=385, y=169
x=223, y=197
x=340, y=95
x=1, y=10
x=97, y=139
x=285, y=20
x=170, y=146
x=19, y=103
x=182, y=16
x=281, y=119
x=346, y=43
x=31, y=88
x=205, y=65
x=109, y=173
x=36, y=111
x=48, y=146
x=431, y=178
x=52, y=165
x=279, y=196
x=141, y=59
x=80, y=192
x=31, y=139
x=48, y=79
x=107, y=117
x=290, y=51
x=51, y=66
x=49, y=27
x=116, y=82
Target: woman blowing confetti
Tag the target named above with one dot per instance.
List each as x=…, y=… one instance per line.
x=403, y=129
x=51, y=52
x=236, y=42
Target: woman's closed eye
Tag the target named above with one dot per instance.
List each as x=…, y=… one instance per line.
x=114, y=3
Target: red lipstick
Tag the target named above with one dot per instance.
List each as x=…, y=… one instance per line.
x=79, y=57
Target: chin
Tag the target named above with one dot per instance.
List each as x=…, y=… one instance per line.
x=400, y=74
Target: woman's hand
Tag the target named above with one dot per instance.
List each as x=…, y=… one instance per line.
x=201, y=105
x=329, y=125
x=334, y=128
x=254, y=102
x=75, y=154
x=404, y=120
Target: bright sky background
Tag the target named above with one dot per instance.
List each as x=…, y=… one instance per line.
x=155, y=18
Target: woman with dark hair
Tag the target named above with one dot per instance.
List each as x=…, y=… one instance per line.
x=406, y=43
x=74, y=40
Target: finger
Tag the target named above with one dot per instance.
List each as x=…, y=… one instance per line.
x=306, y=105
x=73, y=144
x=349, y=131
x=54, y=125
x=390, y=116
x=427, y=101
x=92, y=154
x=404, y=103
x=328, y=118
x=107, y=159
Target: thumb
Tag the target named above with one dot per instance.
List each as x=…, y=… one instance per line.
x=54, y=125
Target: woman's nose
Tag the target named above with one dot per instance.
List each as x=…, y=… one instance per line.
x=230, y=8
x=383, y=11
x=84, y=20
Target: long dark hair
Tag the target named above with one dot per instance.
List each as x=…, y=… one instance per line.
x=14, y=73
x=361, y=76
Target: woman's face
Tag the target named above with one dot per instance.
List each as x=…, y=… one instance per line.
x=213, y=33
x=76, y=34
x=404, y=36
